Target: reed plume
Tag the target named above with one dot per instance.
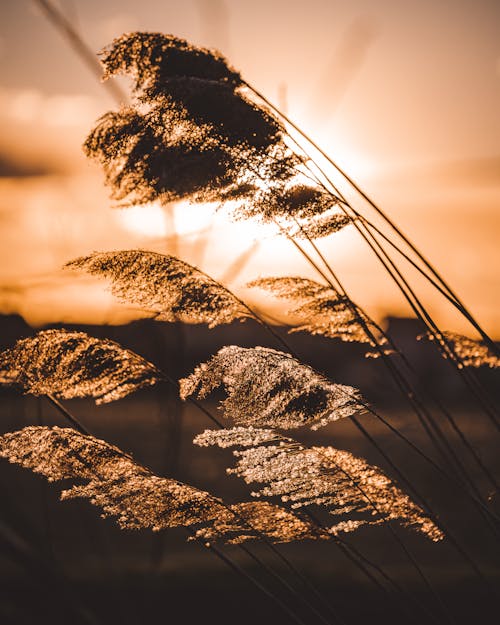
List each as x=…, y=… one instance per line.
x=470, y=353
x=264, y=519
x=266, y=387
x=194, y=133
x=72, y=364
x=320, y=309
x=323, y=476
x=164, y=285
x=153, y=59
x=138, y=499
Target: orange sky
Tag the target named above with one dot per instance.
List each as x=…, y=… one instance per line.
x=405, y=95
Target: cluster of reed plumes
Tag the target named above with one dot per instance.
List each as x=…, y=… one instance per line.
x=197, y=131
x=61, y=364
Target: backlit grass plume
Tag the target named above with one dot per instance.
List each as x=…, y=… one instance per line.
x=164, y=285
x=153, y=59
x=72, y=364
x=194, y=132
x=272, y=521
x=269, y=388
x=138, y=499
x=470, y=352
x=319, y=308
x=324, y=476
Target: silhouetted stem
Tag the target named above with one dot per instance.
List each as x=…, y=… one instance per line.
x=360, y=560
x=414, y=304
x=253, y=581
x=56, y=17
x=423, y=315
x=394, y=534
x=72, y=419
x=351, y=182
x=403, y=384
x=409, y=394
x=83, y=430
x=290, y=588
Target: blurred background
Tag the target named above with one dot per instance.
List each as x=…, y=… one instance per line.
x=405, y=96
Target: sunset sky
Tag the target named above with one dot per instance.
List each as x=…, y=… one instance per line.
x=404, y=94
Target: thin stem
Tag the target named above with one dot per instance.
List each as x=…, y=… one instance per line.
x=408, y=392
x=291, y=589
x=421, y=313
x=86, y=54
x=394, y=534
x=72, y=419
x=354, y=555
x=412, y=300
x=376, y=208
x=425, y=504
x=416, y=305
x=83, y=430
x=253, y=581
x=396, y=373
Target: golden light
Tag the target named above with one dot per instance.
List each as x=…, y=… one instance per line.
x=145, y=219
x=185, y=219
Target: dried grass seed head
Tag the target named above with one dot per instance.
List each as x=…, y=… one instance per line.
x=72, y=364
x=319, y=309
x=161, y=155
x=121, y=488
x=274, y=522
x=231, y=116
x=266, y=387
x=323, y=476
x=162, y=152
x=138, y=499
x=298, y=210
x=194, y=134
x=153, y=59
x=164, y=285
x=472, y=353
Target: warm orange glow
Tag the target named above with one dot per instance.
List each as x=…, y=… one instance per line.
x=417, y=127
x=147, y=219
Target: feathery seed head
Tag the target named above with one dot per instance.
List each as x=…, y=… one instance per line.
x=164, y=285
x=320, y=309
x=73, y=364
x=160, y=154
x=471, y=353
x=153, y=59
x=275, y=523
x=115, y=483
x=138, y=499
x=322, y=476
x=194, y=133
x=266, y=387
x=236, y=437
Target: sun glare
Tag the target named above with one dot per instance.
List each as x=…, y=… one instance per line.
x=157, y=221
x=186, y=219
x=147, y=219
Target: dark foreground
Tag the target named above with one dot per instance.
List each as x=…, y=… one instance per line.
x=60, y=563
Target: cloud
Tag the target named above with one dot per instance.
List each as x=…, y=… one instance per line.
x=41, y=133
x=30, y=106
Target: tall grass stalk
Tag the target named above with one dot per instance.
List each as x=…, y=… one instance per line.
x=363, y=226
x=381, y=213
